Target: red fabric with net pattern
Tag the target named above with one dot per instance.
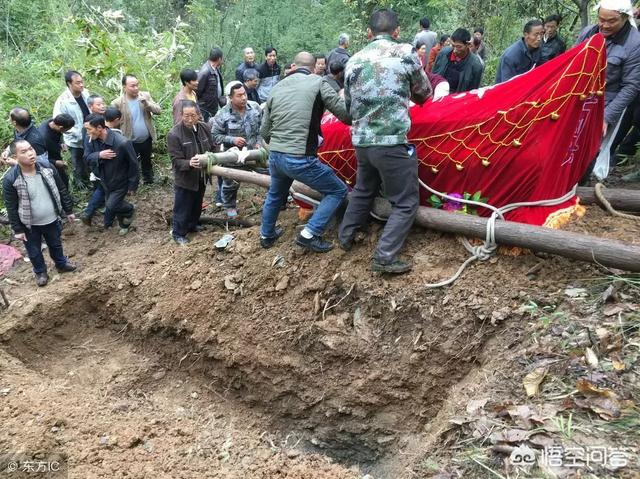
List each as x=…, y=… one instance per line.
x=528, y=139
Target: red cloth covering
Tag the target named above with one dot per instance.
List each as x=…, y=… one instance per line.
x=528, y=139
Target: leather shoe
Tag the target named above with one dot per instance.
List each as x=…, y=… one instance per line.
x=315, y=243
x=267, y=243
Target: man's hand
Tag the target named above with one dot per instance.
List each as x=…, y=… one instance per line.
x=195, y=161
x=64, y=147
x=604, y=128
x=107, y=154
x=21, y=236
x=61, y=164
x=71, y=217
x=131, y=192
x=239, y=142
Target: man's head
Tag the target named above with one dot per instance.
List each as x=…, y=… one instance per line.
x=320, y=66
x=383, y=21
x=532, y=34
x=343, y=41
x=74, y=82
x=304, y=60
x=131, y=86
x=23, y=153
x=190, y=113
x=96, y=127
x=20, y=118
x=337, y=70
x=551, y=25
x=62, y=123
x=613, y=15
x=238, y=96
x=478, y=32
x=215, y=56
x=189, y=79
x=96, y=104
x=288, y=68
x=270, y=55
x=249, y=55
x=461, y=42
x=250, y=77
x=425, y=23
x=112, y=117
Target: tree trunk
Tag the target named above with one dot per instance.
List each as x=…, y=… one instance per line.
x=623, y=200
x=607, y=252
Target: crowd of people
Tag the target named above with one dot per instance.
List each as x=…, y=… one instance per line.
x=281, y=108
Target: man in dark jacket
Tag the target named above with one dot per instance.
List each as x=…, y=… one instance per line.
x=210, y=85
x=291, y=126
x=622, y=41
x=35, y=198
x=113, y=156
x=523, y=55
x=552, y=44
x=461, y=68
x=26, y=130
x=339, y=54
x=248, y=62
x=188, y=138
x=51, y=131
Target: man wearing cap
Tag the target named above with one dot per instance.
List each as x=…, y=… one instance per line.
x=623, y=63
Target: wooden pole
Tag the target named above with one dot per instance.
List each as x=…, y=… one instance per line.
x=624, y=200
x=607, y=252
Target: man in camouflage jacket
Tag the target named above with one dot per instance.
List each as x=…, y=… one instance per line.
x=380, y=80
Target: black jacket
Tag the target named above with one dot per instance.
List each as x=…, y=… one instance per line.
x=552, y=48
x=52, y=141
x=207, y=92
x=12, y=197
x=470, y=70
x=117, y=173
x=516, y=60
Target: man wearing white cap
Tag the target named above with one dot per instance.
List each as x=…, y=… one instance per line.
x=615, y=19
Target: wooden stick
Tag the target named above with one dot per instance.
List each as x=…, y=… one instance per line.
x=607, y=252
x=625, y=200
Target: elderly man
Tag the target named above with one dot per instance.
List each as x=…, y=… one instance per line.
x=291, y=125
x=73, y=101
x=26, y=130
x=380, y=80
x=340, y=53
x=237, y=124
x=523, y=55
x=248, y=62
x=137, y=108
x=114, y=159
x=458, y=64
x=210, y=92
x=622, y=41
x=35, y=198
x=187, y=139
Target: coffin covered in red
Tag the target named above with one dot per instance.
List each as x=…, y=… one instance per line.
x=531, y=138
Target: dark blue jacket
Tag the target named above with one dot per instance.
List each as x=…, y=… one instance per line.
x=516, y=60
x=623, y=69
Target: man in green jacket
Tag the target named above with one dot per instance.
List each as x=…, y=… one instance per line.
x=291, y=126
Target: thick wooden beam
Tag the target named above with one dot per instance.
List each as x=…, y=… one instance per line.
x=607, y=252
x=620, y=199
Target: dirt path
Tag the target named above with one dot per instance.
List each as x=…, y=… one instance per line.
x=159, y=361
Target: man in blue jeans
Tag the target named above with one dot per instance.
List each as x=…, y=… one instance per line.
x=291, y=125
x=35, y=198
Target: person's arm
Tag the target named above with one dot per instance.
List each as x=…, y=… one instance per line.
x=420, y=86
x=65, y=197
x=203, y=75
x=149, y=104
x=239, y=72
x=11, y=203
x=334, y=103
x=177, y=111
x=265, y=125
x=176, y=153
x=506, y=70
x=476, y=76
x=219, y=131
x=629, y=87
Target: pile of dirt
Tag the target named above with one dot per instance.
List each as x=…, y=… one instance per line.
x=243, y=362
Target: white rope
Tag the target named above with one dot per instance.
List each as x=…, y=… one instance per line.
x=481, y=252
x=485, y=251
